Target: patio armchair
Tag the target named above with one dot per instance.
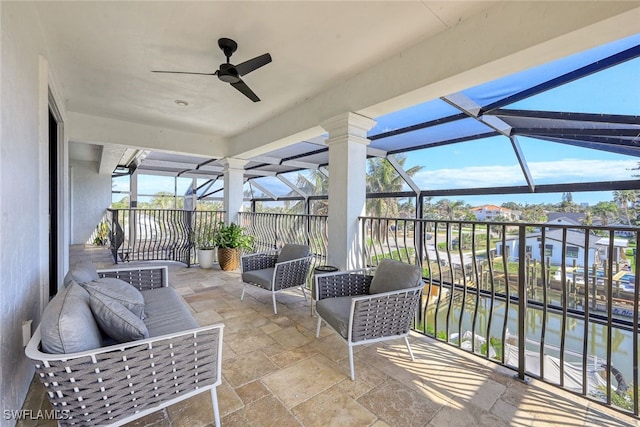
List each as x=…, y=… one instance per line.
x=364, y=308
x=276, y=271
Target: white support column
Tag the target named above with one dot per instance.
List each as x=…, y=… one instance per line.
x=347, y=186
x=133, y=203
x=233, y=184
x=133, y=189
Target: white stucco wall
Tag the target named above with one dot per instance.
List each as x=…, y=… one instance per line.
x=90, y=197
x=23, y=241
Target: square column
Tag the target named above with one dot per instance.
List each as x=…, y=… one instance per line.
x=233, y=185
x=347, y=186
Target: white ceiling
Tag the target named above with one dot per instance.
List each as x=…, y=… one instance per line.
x=103, y=53
x=329, y=58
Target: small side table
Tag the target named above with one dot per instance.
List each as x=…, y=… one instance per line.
x=321, y=269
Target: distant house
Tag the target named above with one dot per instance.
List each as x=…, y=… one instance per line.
x=563, y=220
x=575, y=218
x=491, y=212
x=619, y=230
x=575, y=247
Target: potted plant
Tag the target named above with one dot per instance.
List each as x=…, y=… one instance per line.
x=230, y=241
x=204, y=239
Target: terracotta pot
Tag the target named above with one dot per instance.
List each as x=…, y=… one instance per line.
x=229, y=258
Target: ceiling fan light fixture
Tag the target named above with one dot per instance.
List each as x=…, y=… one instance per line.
x=181, y=102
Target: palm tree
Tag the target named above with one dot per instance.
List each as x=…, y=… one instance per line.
x=383, y=178
x=623, y=198
x=449, y=209
x=313, y=183
x=606, y=211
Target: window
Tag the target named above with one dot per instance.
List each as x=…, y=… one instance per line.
x=548, y=250
x=572, y=251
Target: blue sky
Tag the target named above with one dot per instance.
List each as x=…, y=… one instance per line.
x=492, y=162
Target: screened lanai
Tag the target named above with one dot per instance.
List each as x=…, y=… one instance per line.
x=570, y=125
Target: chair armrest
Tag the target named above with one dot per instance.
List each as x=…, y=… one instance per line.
x=143, y=278
x=109, y=384
x=258, y=261
x=384, y=314
x=342, y=283
x=291, y=273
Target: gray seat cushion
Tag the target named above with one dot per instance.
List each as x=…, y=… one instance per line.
x=81, y=272
x=335, y=311
x=116, y=320
x=120, y=291
x=67, y=324
x=259, y=277
x=394, y=275
x=165, y=313
x=292, y=251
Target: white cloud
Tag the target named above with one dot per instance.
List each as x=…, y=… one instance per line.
x=559, y=171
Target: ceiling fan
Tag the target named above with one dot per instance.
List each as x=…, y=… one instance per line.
x=230, y=73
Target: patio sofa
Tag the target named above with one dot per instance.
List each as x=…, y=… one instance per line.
x=117, y=344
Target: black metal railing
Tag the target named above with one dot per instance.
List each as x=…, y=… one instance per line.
x=273, y=230
x=561, y=307
x=157, y=234
x=555, y=303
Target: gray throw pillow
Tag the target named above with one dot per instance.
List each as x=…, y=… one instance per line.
x=116, y=320
x=291, y=251
x=82, y=272
x=67, y=324
x=394, y=275
x=120, y=291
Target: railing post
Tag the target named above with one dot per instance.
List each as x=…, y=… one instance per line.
x=190, y=234
x=522, y=301
x=113, y=235
x=418, y=230
x=418, y=239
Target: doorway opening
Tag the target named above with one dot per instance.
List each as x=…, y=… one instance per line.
x=53, y=204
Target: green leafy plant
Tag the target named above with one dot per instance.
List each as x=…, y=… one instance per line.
x=232, y=236
x=102, y=234
x=204, y=237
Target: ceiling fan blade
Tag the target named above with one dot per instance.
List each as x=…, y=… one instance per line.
x=242, y=87
x=185, y=72
x=248, y=66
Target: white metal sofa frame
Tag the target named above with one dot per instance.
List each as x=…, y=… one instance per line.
x=286, y=274
x=372, y=318
x=120, y=383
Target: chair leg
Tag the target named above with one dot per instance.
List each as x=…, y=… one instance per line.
x=244, y=285
x=216, y=410
x=353, y=370
x=318, y=327
x=406, y=340
x=303, y=292
x=275, y=310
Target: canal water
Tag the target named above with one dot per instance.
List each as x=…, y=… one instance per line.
x=574, y=332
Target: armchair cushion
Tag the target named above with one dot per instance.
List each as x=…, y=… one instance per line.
x=292, y=251
x=166, y=313
x=120, y=291
x=67, y=324
x=394, y=275
x=335, y=311
x=259, y=277
x=116, y=320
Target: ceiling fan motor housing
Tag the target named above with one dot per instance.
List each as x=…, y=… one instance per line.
x=228, y=73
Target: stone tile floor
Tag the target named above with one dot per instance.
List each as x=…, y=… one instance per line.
x=275, y=372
